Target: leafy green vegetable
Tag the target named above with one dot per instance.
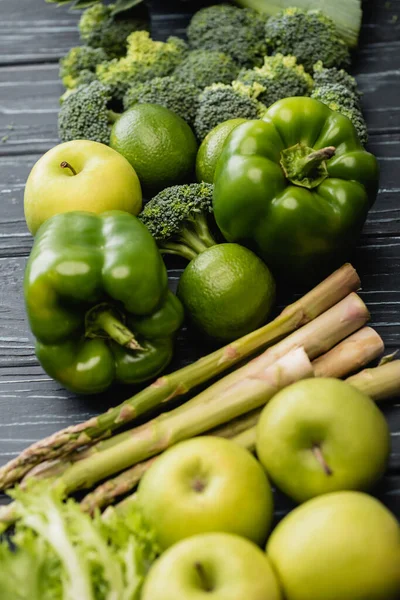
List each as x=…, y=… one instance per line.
x=178, y=96
x=80, y=60
x=99, y=28
x=220, y=102
x=145, y=60
x=310, y=36
x=85, y=114
x=346, y=14
x=205, y=67
x=229, y=29
x=62, y=554
x=177, y=219
x=280, y=76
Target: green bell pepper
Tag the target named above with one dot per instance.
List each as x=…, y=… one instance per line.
x=97, y=300
x=295, y=187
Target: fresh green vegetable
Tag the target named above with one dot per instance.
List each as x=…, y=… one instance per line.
x=229, y=29
x=280, y=76
x=78, y=62
x=100, y=28
x=85, y=114
x=179, y=96
x=341, y=99
x=62, y=554
x=310, y=36
x=221, y=102
x=346, y=14
x=205, y=67
x=145, y=60
x=96, y=294
x=327, y=294
x=177, y=219
x=296, y=187
x=323, y=76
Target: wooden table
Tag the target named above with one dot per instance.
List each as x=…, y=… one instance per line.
x=33, y=35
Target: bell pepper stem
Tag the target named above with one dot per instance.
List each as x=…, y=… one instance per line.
x=66, y=165
x=304, y=166
x=325, y=295
x=117, y=331
x=308, y=164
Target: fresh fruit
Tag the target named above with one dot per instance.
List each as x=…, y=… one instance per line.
x=158, y=143
x=206, y=484
x=227, y=291
x=341, y=546
x=218, y=566
x=80, y=175
x=322, y=435
x=211, y=147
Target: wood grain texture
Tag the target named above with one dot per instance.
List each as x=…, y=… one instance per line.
x=33, y=35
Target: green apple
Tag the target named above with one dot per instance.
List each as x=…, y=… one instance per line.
x=322, y=435
x=341, y=546
x=80, y=175
x=206, y=484
x=218, y=566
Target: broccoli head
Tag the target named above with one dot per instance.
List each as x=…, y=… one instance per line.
x=85, y=114
x=340, y=99
x=100, y=29
x=81, y=60
x=205, y=67
x=220, y=102
x=238, y=32
x=178, y=96
x=310, y=36
x=280, y=76
x=177, y=219
x=323, y=76
x=145, y=60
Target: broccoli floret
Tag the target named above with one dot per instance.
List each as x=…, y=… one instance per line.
x=80, y=61
x=341, y=99
x=238, y=32
x=100, y=29
x=145, y=60
x=205, y=67
x=310, y=36
x=84, y=78
x=85, y=114
x=177, y=219
x=220, y=102
x=280, y=77
x=178, y=96
x=323, y=76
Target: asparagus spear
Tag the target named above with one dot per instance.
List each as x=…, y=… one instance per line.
x=316, y=337
x=253, y=389
x=352, y=353
x=325, y=295
x=381, y=383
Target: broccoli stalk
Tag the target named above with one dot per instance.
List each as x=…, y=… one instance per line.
x=177, y=219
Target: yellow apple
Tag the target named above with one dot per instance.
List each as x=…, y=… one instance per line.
x=80, y=175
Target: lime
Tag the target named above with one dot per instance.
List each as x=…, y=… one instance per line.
x=227, y=291
x=160, y=145
x=211, y=147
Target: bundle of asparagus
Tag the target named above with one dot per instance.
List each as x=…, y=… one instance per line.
x=326, y=326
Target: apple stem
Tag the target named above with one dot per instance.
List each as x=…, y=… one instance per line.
x=203, y=577
x=66, y=165
x=320, y=458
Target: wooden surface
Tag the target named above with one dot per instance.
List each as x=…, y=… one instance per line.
x=33, y=35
